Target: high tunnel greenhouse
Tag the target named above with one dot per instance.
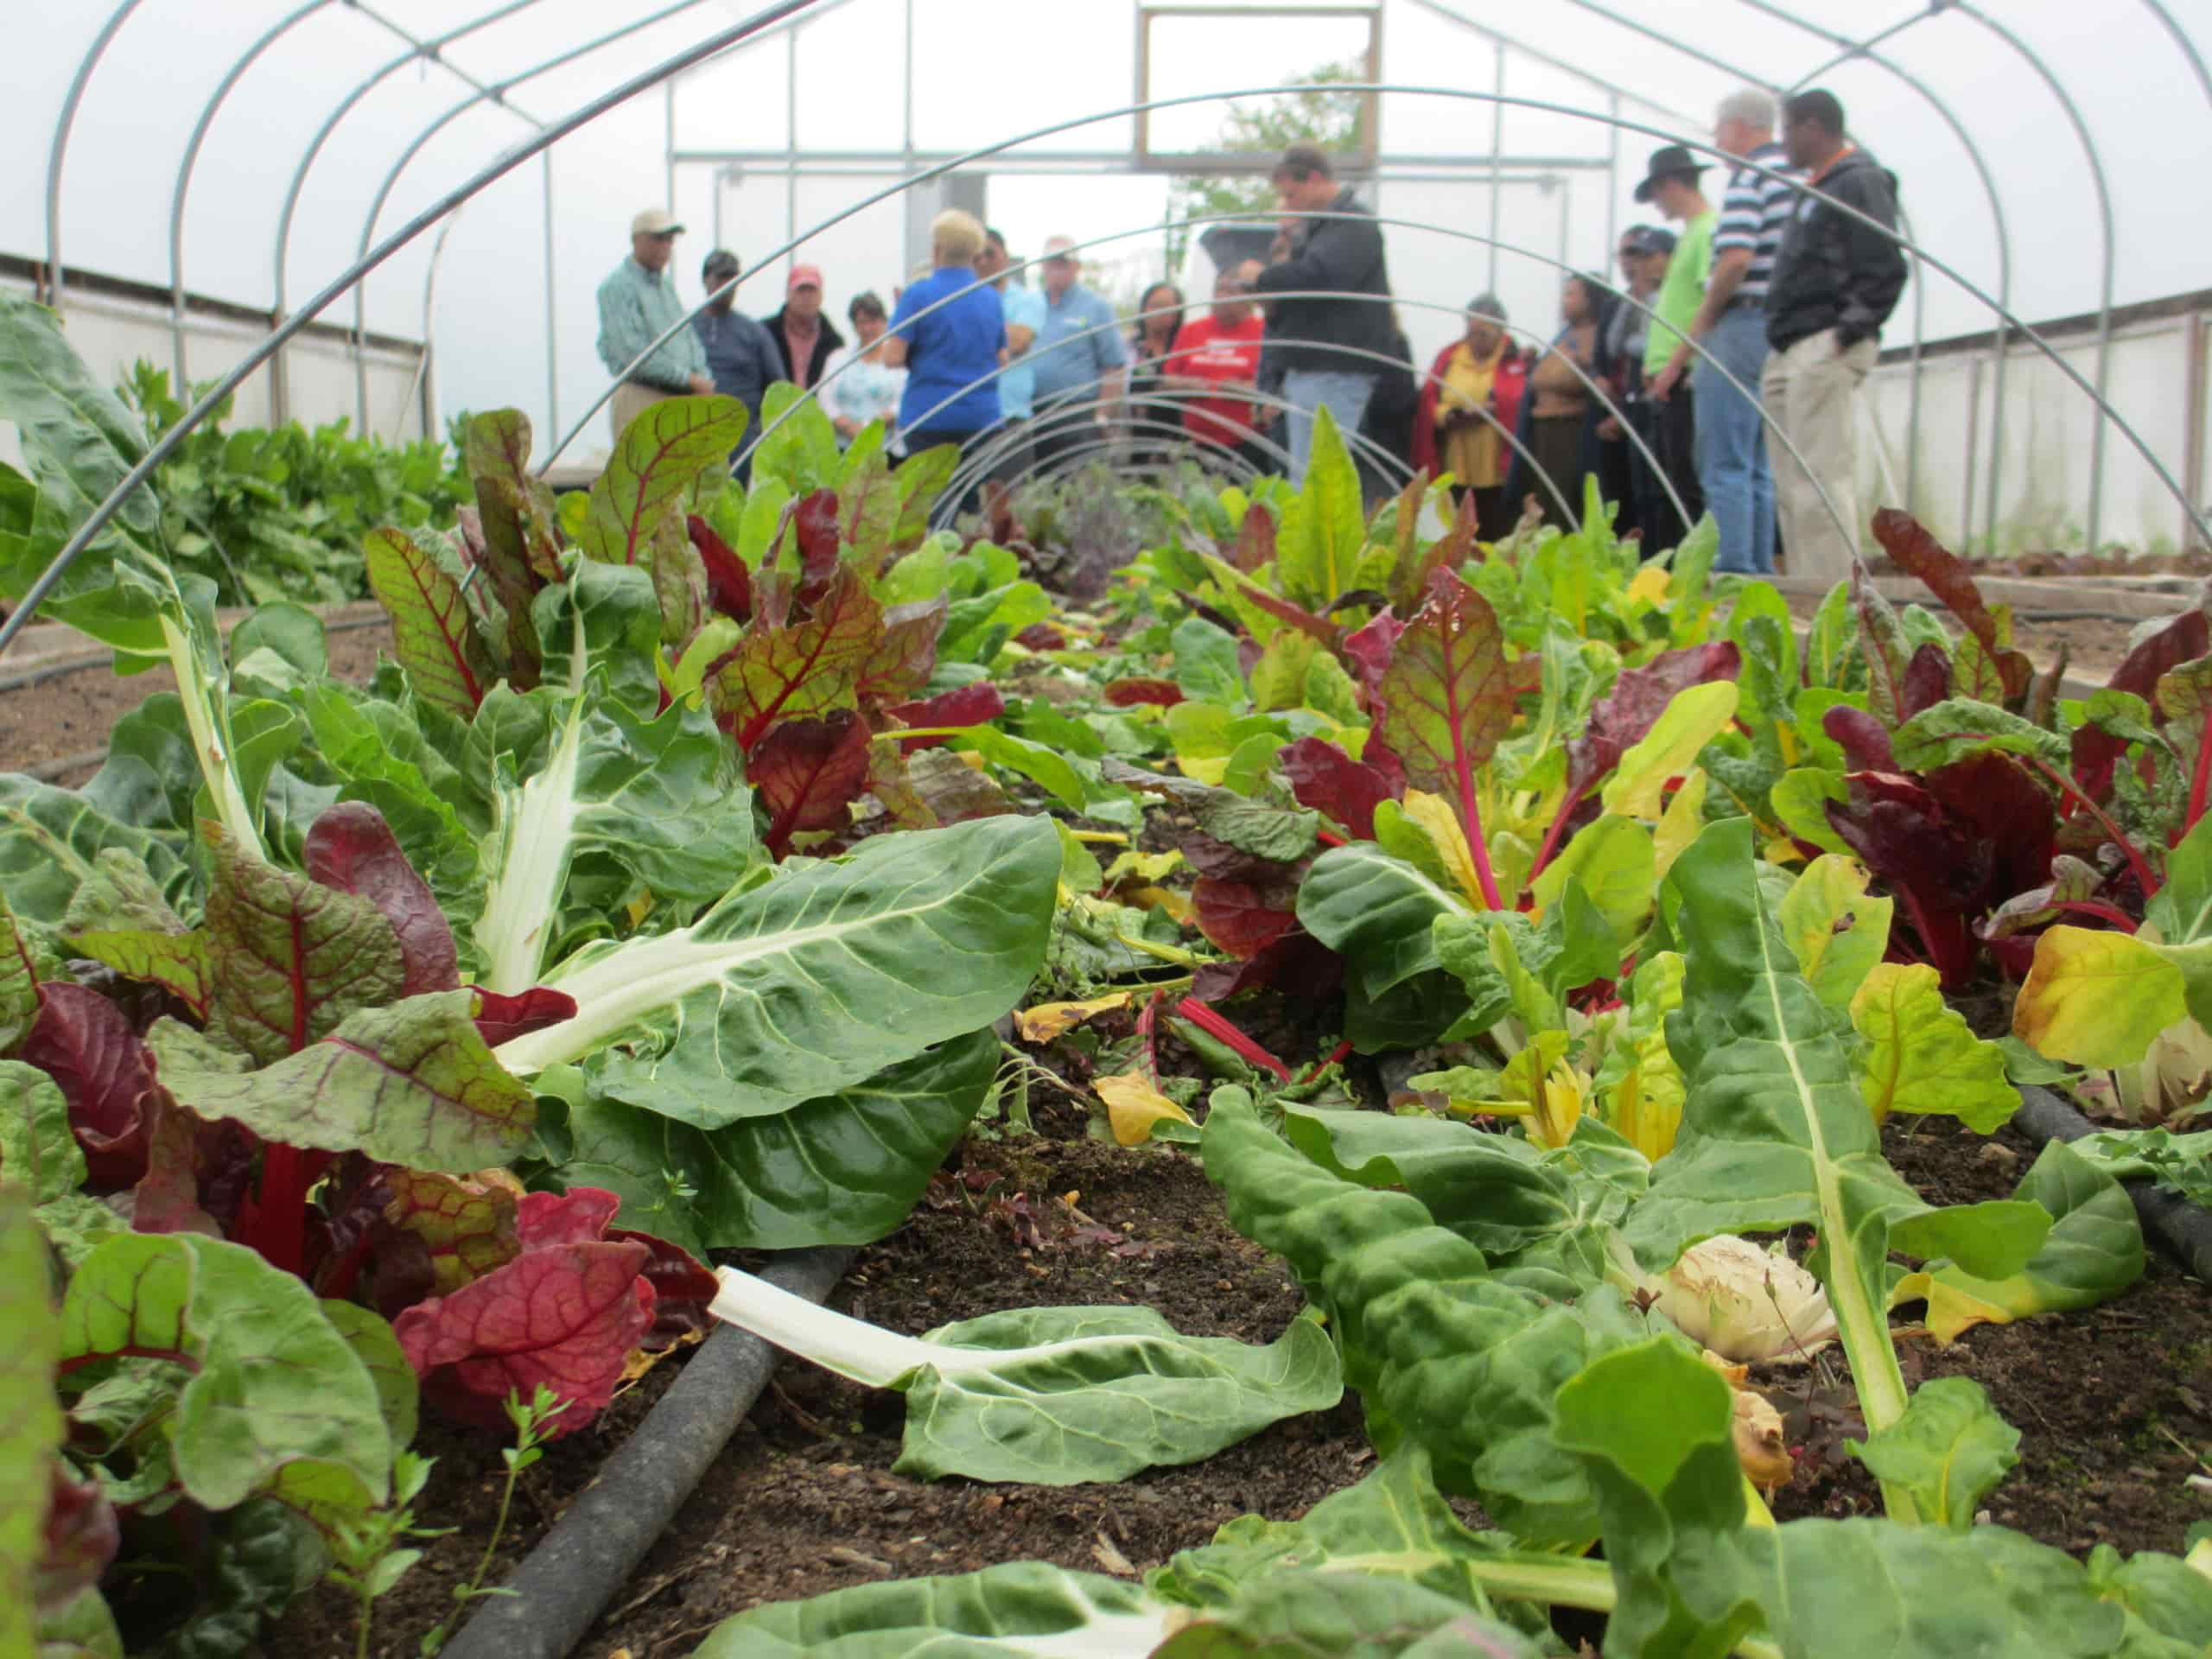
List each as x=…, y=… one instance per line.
x=1495, y=943
x=203, y=180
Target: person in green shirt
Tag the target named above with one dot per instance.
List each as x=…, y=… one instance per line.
x=637, y=304
x=1671, y=183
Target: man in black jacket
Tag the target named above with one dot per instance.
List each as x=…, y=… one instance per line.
x=1836, y=280
x=1318, y=341
x=804, y=338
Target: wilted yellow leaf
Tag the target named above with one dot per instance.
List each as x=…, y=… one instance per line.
x=2096, y=998
x=1177, y=905
x=1049, y=1020
x=1134, y=1107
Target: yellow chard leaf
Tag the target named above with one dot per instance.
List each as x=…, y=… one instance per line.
x=2096, y=998
x=1837, y=933
x=1434, y=816
x=1680, y=823
x=1922, y=1057
x=1049, y=1020
x=1134, y=1107
x=1697, y=716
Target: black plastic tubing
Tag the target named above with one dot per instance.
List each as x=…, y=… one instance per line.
x=562, y=1587
x=2182, y=1228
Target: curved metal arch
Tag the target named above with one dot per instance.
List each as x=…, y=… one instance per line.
x=1701, y=146
x=2103, y=366
x=496, y=93
x=166, y=445
x=59, y=149
x=223, y=87
x=1560, y=266
x=429, y=49
x=2187, y=47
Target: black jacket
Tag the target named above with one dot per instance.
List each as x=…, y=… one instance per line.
x=1832, y=271
x=826, y=341
x=1340, y=257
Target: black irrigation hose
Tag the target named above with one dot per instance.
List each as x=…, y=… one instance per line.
x=563, y=1585
x=2183, y=1228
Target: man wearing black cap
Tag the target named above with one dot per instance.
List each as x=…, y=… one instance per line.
x=1671, y=183
x=741, y=356
x=1836, y=280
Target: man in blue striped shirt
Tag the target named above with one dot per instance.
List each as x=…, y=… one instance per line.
x=1731, y=325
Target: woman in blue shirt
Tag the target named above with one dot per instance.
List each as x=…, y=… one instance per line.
x=950, y=354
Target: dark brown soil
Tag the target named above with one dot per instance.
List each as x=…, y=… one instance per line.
x=72, y=713
x=2113, y=1405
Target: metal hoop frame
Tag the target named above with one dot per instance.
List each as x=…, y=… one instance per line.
x=790, y=9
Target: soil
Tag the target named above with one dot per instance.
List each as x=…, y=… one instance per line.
x=2095, y=646
x=73, y=712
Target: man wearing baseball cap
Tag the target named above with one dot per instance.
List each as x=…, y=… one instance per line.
x=637, y=305
x=805, y=338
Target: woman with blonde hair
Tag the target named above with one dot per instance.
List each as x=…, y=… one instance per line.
x=949, y=334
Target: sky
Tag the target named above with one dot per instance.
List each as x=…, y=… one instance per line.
x=985, y=70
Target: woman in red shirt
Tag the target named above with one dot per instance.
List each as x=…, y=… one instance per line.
x=1217, y=356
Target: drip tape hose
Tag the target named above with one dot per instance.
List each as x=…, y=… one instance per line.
x=554, y=1596
x=2183, y=1230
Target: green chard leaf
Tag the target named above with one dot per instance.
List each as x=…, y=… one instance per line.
x=30, y=1419
x=1949, y=1450
x=657, y=462
x=119, y=917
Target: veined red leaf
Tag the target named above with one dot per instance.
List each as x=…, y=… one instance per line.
x=502, y=1019
x=1410, y=575
x=808, y=772
x=729, y=584
x=1865, y=741
x=351, y=849
x=683, y=1289
x=291, y=958
x=467, y=1228
x=166, y=1198
x=1903, y=834
x=1927, y=679
x=1447, y=698
x=2008, y=807
x=800, y=668
x=964, y=705
x=2182, y=640
x=898, y=662
x=1882, y=642
x=815, y=521
x=658, y=460
x=1243, y=918
x=578, y=1216
x=85, y=1043
x=566, y=1316
x=1625, y=714
x=1131, y=693
x=1911, y=547
x=1371, y=647
x=433, y=637
x=520, y=548
x=412, y=1083
x=1323, y=777
x=1256, y=540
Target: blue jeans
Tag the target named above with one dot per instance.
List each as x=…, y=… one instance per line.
x=1345, y=391
x=1732, y=461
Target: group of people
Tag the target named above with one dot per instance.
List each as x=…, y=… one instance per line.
x=1719, y=376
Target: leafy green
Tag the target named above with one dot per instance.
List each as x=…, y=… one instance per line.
x=1949, y=1450
x=1054, y=1396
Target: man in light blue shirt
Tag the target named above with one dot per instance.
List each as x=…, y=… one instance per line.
x=637, y=305
x=1080, y=360
x=1025, y=321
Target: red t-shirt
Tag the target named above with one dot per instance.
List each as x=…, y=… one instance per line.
x=1206, y=351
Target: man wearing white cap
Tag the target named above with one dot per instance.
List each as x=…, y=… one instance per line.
x=637, y=305
x=1079, y=361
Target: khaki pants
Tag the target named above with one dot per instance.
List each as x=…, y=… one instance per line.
x=1810, y=393
x=631, y=399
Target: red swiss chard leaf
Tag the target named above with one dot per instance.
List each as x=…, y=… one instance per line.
x=790, y=670
x=434, y=637
x=351, y=849
x=1256, y=540
x=501, y=1019
x=1883, y=643
x=1911, y=547
x=1447, y=698
x=82, y=1536
x=965, y=705
x=1927, y=679
x=566, y=1316
x=2097, y=753
x=1939, y=871
x=579, y=1216
x=166, y=1198
x=1042, y=636
x=1296, y=961
x=1625, y=716
x=682, y=1289
x=2007, y=807
x=1129, y=693
x=1323, y=777
x=729, y=584
x=807, y=772
x=85, y=1044
x=815, y=521
x=898, y=664
x=1865, y=741
x=1371, y=647
x=1241, y=918
x=466, y=1228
